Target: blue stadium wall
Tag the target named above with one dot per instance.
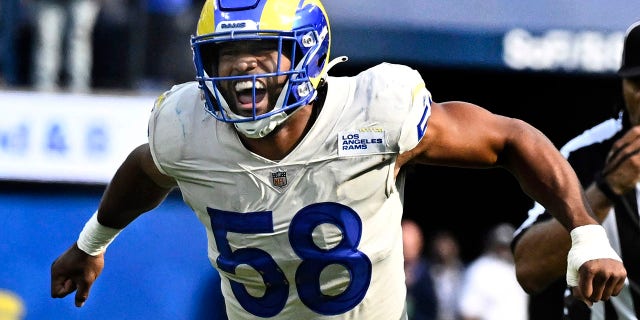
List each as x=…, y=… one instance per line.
x=156, y=269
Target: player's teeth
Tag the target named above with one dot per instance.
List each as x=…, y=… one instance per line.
x=246, y=85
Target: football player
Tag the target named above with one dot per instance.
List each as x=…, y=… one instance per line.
x=296, y=175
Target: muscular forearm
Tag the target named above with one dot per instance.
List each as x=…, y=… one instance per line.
x=132, y=191
x=547, y=177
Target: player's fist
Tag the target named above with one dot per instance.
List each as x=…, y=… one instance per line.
x=600, y=280
x=593, y=266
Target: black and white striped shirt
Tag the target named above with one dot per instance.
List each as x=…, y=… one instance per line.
x=587, y=153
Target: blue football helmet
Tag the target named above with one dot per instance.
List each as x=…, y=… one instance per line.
x=300, y=28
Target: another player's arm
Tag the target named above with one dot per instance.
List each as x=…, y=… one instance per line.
x=540, y=253
x=137, y=187
x=466, y=135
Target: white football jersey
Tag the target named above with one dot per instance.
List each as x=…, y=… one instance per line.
x=317, y=234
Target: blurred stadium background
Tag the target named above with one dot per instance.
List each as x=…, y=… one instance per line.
x=547, y=62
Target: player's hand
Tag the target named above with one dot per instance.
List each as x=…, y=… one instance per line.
x=622, y=169
x=75, y=270
x=599, y=280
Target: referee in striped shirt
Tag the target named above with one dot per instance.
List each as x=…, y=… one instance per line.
x=607, y=161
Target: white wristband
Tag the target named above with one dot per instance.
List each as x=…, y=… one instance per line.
x=588, y=242
x=95, y=238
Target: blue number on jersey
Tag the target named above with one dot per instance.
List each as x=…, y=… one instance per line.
x=314, y=259
x=277, y=288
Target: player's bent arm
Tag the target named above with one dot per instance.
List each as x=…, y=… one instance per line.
x=137, y=187
x=466, y=135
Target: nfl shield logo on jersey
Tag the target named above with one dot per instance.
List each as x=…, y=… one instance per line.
x=279, y=178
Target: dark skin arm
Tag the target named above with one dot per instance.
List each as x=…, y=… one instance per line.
x=540, y=253
x=465, y=135
x=137, y=187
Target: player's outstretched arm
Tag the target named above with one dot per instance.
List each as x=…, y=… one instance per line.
x=137, y=187
x=465, y=135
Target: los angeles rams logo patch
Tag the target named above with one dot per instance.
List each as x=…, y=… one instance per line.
x=361, y=141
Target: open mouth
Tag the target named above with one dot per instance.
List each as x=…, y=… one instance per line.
x=244, y=94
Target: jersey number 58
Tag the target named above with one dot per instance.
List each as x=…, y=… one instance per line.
x=314, y=259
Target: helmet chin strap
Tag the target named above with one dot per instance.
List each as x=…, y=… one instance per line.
x=261, y=128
